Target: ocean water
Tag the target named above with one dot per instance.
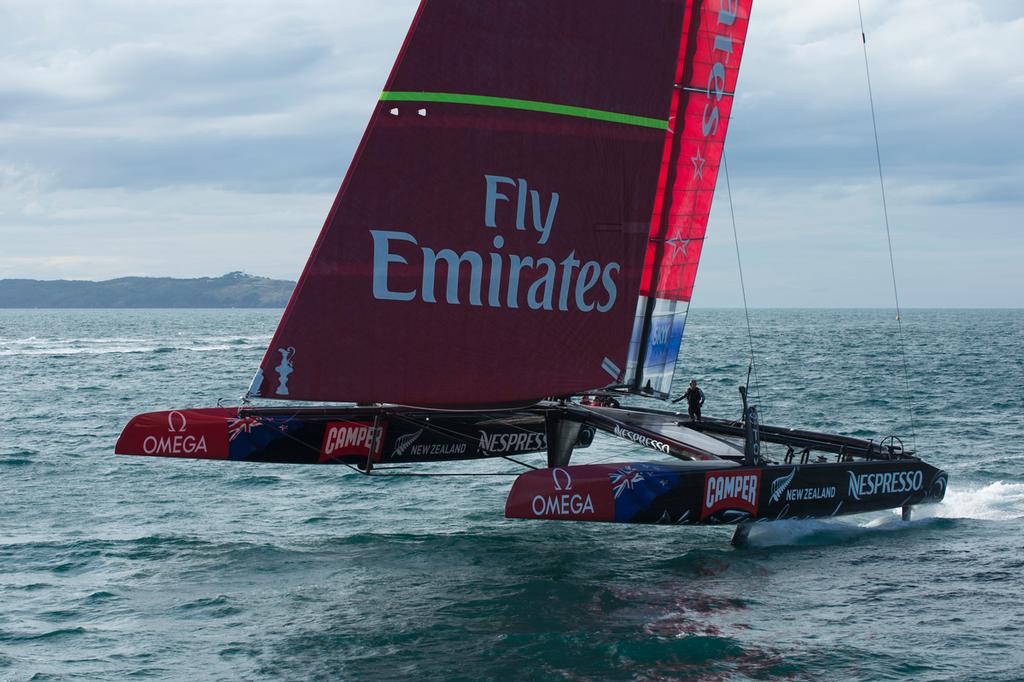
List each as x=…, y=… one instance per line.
x=147, y=568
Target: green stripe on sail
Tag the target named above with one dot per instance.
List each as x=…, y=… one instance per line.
x=525, y=105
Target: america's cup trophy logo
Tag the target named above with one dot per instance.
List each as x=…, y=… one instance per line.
x=285, y=369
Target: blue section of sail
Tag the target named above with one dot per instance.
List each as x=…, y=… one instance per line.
x=661, y=347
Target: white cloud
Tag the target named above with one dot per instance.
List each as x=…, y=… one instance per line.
x=187, y=136
x=947, y=88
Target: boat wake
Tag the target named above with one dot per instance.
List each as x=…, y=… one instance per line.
x=998, y=501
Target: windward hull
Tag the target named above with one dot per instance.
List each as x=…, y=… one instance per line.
x=336, y=436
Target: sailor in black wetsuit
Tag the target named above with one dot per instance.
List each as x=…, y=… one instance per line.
x=694, y=399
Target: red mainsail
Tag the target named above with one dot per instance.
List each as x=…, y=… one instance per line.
x=488, y=243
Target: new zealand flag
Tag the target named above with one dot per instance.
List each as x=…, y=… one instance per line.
x=250, y=434
x=637, y=485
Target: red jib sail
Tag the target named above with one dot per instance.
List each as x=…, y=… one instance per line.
x=706, y=74
x=488, y=243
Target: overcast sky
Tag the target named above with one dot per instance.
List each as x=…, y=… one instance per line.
x=192, y=138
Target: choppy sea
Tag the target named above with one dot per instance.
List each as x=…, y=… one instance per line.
x=117, y=567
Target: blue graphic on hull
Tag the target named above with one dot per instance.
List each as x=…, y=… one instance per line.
x=247, y=435
x=637, y=485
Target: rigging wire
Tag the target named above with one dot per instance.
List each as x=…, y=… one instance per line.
x=516, y=461
x=888, y=231
x=743, y=288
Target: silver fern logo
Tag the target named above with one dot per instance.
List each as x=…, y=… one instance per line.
x=779, y=485
x=403, y=443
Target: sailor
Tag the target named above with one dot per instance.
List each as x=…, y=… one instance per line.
x=694, y=399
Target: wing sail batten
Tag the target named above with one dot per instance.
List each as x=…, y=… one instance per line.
x=525, y=105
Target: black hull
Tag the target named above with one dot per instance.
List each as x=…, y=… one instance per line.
x=710, y=494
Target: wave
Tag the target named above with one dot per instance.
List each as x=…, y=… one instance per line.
x=70, y=350
x=74, y=339
x=996, y=501
x=823, y=531
x=255, y=481
x=230, y=338
x=61, y=633
x=260, y=339
x=55, y=346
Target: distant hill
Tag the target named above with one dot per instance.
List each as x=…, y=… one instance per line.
x=233, y=290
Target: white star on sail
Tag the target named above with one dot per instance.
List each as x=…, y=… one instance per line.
x=678, y=245
x=698, y=164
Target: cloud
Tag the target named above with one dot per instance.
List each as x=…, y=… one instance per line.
x=947, y=82
x=191, y=92
x=947, y=88
x=192, y=138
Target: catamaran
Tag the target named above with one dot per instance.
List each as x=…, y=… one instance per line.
x=512, y=251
